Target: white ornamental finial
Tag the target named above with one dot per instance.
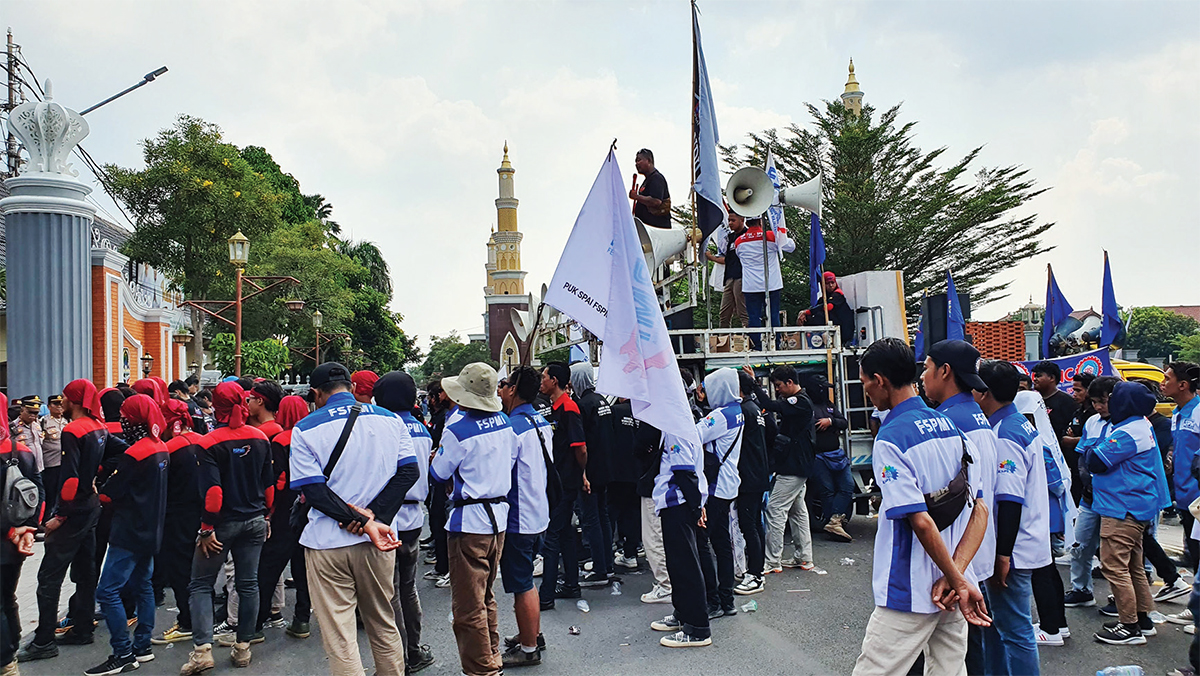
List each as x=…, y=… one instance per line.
x=49, y=132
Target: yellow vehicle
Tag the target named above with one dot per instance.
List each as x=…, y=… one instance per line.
x=1147, y=374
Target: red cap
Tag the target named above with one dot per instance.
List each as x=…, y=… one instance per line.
x=364, y=382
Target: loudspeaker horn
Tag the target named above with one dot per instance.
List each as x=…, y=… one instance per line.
x=520, y=327
x=807, y=195
x=749, y=192
x=660, y=245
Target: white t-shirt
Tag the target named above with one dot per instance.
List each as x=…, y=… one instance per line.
x=410, y=516
x=677, y=454
x=1021, y=478
x=377, y=445
x=917, y=451
x=720, y=432
x=749, y=246
x=529, y=508
x=476, y=452
x=970, y=420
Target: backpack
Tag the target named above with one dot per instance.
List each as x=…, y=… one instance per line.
x=20, y=494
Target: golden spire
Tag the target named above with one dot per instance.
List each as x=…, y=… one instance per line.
x=505, y=164
x=851, y=82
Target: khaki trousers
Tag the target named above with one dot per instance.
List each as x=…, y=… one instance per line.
x=732, y=301
x=652, y=542
x=894, y=639
x=345, y=579
x=1121, y=563
x=474, y=561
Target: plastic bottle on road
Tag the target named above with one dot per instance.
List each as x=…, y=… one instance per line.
x=750, y=607
x=1127, y=670
x=583, y=606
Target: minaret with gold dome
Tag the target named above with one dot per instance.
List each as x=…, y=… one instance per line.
x=505, y=288
x=852, y=97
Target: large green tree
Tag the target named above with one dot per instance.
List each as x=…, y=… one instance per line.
x=1155, y=332
x=889, y=205
x=449, y=354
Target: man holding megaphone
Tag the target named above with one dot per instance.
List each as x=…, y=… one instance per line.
x=652, y=201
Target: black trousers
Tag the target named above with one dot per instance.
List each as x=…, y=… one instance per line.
x=437, y=528
x=173, y=563
x=750, y=521
x=72, y=545
x=10, y=619
x=560, y=542
x=282, y=548
x=1191, y=547
x=720, y=539
x=1048, y=595
x=624, y=509
x=50, y=478
x=708, y=568
x=683, y=567
x=1158, y=558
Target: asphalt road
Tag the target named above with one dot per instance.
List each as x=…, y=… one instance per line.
x=805, y=624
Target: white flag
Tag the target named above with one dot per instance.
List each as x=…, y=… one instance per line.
x=775, y=212
x=603, y=283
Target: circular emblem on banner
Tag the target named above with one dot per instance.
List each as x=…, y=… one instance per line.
x=816, y=340
x=1090, y=364
x=1022, y=368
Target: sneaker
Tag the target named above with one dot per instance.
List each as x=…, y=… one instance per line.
x=1146, y=625
x=515, y=641
x=114, y=665
x=298, y=630
x=240, y=655
x=199, y=660
x=1181, y=671
x=537, y=566
x=1173, y=591
x=1110, y=609
x=430, y=559
x=545, y=604
x=289, y=583
x=714, y=613
x=1077, y=598
x=771, y=571
x=422, y=659
x=797, y=563
x=1121, y=634
x=836, y=529
x=668, y=623
x=144, y=655
x=729, y=612
x=625, y=562
x=751, y=584
x=443, y=581
x=1044, y=638
x=517, y=657
x=172, y=635
x=431, y=575
x=1189, y=629
x=657, y=595
x=1182, y=617
x=33, y=651
x=680, y=639
x=275, y=621
x=593, y=579
x=63, y=625
x=131, y=622
x=1064, y=560
x=72, y=637
x=224, y=628
x=565, y=592
x=230, y=640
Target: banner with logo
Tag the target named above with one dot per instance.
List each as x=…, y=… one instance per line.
x=1095, y=362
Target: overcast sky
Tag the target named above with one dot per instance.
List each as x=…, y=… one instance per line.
x=397, y=111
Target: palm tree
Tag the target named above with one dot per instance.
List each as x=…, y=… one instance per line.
x=324, y=212
x=370, y=257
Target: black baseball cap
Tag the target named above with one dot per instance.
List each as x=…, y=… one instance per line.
x=963, y=359
x=329, y=372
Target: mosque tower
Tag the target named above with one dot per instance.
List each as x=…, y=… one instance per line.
x=505, y=288
x=852, y=97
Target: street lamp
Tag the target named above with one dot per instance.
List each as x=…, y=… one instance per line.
x=146, y=79
x=239, y=256
x=147, y=363
x=318, y=319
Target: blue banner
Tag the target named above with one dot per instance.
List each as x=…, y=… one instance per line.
x=1095, y=362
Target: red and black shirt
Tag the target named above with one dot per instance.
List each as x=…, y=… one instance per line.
x=236, y=479
x=183, y=473
x=281, y=449
x=564, y=417
x=137, y=492
x=84, y=442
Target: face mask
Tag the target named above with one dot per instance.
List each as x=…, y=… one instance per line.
x=134, y=432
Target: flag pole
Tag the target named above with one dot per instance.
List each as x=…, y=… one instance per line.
x=828, y=343
x=692, y=112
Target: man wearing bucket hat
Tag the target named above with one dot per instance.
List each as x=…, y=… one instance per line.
x=477, y=451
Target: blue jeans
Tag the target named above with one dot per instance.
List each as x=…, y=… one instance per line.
x=836, y=489
x=123, y=567
x=1087, y=541
x=977, y=640
x=244, y=540
x=755, y=304
x=1009, y=643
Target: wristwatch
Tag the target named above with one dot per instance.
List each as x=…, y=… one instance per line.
x=204, y=533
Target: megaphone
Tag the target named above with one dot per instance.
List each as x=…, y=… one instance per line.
x=749, y=192
x=518, y=323
x=660, y=245
x=807, y=195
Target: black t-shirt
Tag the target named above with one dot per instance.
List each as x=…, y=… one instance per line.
x=733, y=265
x=654, y=186
x=1061, y=408
x=567, y=423
x=598, y=431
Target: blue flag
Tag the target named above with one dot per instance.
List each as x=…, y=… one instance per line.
x=710, y=208
x=816, y=258
x=1111, y=326
x=1057, y=309
x=922, y=331
x=956, y=326
x=578, y=354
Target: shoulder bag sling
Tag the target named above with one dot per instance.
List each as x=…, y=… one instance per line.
x=298, y=518
x=553, y=481
x=712, y=468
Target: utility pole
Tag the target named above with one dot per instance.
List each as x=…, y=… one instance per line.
x=12, y=155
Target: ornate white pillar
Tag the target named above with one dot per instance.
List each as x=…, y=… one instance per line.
x=48, y=227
